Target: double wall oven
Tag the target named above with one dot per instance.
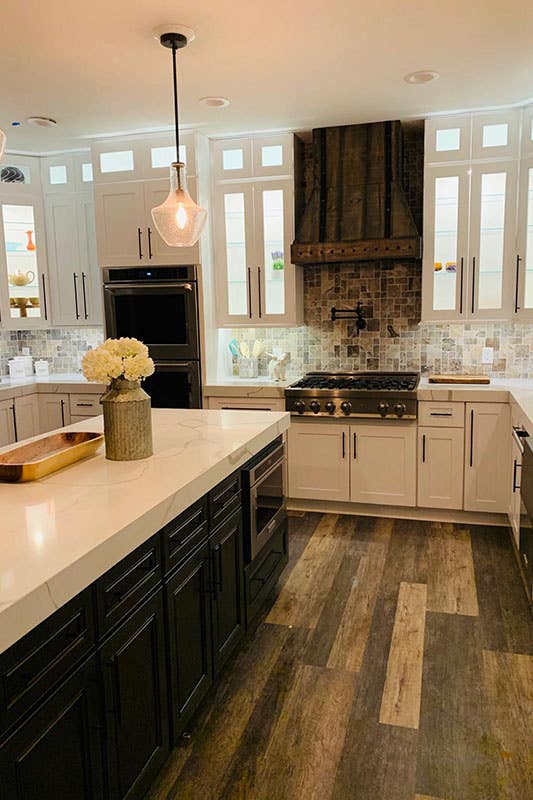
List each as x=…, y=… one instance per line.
x=159, y=306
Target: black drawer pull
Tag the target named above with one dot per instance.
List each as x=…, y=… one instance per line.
x=226, y=496
x=440, y=414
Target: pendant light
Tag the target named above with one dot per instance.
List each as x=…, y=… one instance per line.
x=178, y=220
x=2, y=143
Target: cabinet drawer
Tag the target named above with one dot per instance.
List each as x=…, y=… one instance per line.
x=86, y=405
x=42, y=658
x=441, y=414
x=127, y=583
x=184, y=534
x=261, y=575
x=224, y=499
x=245, y=404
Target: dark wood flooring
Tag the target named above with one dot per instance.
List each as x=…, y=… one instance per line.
x=395, y=664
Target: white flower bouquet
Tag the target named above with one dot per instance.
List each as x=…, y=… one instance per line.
x=118, y=358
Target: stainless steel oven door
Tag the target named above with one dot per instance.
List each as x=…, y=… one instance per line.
x=164, y=316
x=175, y=384
x=267, y=502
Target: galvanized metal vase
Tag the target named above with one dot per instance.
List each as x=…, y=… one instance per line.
x=127, y=421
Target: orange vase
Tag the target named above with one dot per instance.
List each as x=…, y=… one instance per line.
x=30, y=245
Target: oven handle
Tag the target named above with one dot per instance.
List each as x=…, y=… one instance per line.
x=120, y=286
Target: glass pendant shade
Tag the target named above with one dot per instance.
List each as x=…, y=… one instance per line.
x=2, y=143
x=179, y=220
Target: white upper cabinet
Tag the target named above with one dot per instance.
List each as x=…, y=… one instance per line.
x=496, y=135
x=253, y=224
x=448, y=139
x=67, y=173
x=524, y=259
x=20, y=176
x=527, y=131
x=141, y=158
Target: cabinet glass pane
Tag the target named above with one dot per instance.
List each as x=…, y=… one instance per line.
x=117, y=161
x=21, y=256
x=232, y=159
x=447, y=139
x=234, y=217
x=529, y=242
x=273, y=255
x=272, y=155
x=165, y=156
x=58, y=174
x=491, y=237
x=495, y=135
x=87, y=172
x=446, y=233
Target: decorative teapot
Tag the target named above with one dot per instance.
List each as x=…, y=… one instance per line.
x=21, y=278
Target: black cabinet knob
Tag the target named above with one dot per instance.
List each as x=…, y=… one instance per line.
x=330, y=406
x=383, y=408
x=346, y=407
x=314, y=406
x=399, y=409
x=299, y=407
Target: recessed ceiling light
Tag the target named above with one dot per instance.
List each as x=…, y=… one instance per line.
x=15, y=123
x=42, y=122
x=422, y=76
x=214, y=102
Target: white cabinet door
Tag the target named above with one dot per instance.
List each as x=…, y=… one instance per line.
x=496, y=134
x=7, y=422
x=448, y=139
x=120, y=224
x=383, y=463
x=487, y=457
x=155, y=193
x=440, y=467
x=444, y=269
x=318, y=461
x=524, y=264
x=91, y=300
x=27, y=416
x=53, y=411
x=492, y=241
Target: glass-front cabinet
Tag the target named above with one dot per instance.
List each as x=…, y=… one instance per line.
x=24, y=293
x=253, y=231
x=524, y=259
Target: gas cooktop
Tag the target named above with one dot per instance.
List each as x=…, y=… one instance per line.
x=386, y=395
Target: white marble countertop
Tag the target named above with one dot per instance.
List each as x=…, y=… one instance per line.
x=59, y=534
x=246, y=387
x=59, y=382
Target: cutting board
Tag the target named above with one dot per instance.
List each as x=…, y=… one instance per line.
x=459, y=379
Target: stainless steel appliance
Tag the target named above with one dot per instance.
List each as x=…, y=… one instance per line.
x=159, y=306
x=263, y=498
x=385, y=395
x=526, y=514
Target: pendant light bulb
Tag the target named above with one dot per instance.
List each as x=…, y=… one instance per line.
x=179, y=220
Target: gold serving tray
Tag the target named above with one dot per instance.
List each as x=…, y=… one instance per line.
x=32, y=461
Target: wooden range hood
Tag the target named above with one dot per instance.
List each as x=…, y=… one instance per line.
x=357, y=209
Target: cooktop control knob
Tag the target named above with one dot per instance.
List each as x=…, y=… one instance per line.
x=346, y=407
x=383, y=408
x=330, y=406
x=399, y=409
x=314, y=405
x=299, y=407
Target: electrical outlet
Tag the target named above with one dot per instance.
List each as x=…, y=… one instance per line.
x=487, y=355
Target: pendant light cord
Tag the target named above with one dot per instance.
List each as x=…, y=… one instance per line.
x=175, y=79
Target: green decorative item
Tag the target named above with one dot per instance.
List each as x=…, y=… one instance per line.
x=277, y=260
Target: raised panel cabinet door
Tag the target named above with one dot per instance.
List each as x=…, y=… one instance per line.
x=487, y=457
x=155, y=193
x=225, y=547
x=440, y=467
x=27, y=416
x=7, y=422
x=383, y=463
x=56, y=752
x=188, y=594
x=120, y=229
x=136, y=702
x=318, y=461
x=54, y=411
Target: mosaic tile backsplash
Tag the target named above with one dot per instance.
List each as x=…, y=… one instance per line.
x=62, y=347
x=390, y=297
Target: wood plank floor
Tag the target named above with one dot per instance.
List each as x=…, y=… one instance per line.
x=396, y=663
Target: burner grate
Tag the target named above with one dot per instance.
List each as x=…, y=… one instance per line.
x=393, y=383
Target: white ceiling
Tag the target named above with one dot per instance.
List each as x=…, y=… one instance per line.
x=95, y=67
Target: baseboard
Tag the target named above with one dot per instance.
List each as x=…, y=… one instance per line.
x=398, y=512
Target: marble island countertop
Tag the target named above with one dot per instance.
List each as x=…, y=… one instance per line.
x=59, y=534
x=59, y=382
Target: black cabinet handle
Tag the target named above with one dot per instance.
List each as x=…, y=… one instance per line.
x=461, y=273
x=516, y=467
x=259, y=289
x=62, y=413
x=473, y=283
x=84, y=291
x=424, y=448
x=139, y=240
x=440, y=414
x=76, y=295
x=149, y=243
x=343, y=445
x=471, y=438
x=217, y=568
x=14, y=412
x=355, y=447
x=517, y=280
x=249, y=292
x=44, y=296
